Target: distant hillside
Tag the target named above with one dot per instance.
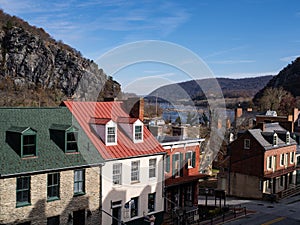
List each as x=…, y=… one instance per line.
x=192, y=90
x=288, y=78
x=37, y=70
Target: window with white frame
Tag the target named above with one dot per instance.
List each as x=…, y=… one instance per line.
x=288, y=137
x=117, y=173
x=246, y=143
x=190, y=159
x=269, y=162
x=135, y=171
x=138, y=133
x=292, y=157
x=281, y=159
x=134, y=206
x=151, y=202
x=111, y=135
x=286, y=159
x=275, y=139
x=152, y=168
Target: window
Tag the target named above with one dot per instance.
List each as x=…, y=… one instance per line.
x=177, y=159
x=71, y=143
x=54, y=220
x=151, y=202
x=288, y=137
x=138, y=133
x=133, y=204
x=189, y=193
x=292, y=157
x=167, y=164
x=53, y=186
x=247, y=144
x=152, y=168
x=281, y=180
x=275, y=139
x=29, y=145
x=190, y=159
x=117, y=173
x=79, y=182
x=281, y=159
x=269, y=162
x=286, y=159
x=135, y=171
x=111, y=135
x=23, y=191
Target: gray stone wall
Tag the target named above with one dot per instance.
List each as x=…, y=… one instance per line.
x=40, y=209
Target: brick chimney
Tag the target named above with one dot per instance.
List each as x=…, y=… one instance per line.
x=134, y=107
x=261, y=126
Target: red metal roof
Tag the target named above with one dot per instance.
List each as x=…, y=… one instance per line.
x=101, y=121
x=85, y=111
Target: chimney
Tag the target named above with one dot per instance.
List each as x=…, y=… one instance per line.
x=296, y=114
x=261, y=126
x=238, y=112
x=134, y=107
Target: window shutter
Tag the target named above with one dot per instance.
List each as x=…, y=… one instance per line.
x=194, y=159
x=173, y=165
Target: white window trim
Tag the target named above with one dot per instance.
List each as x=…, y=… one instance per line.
x=138, y=172
x=282, y=156
x=119, y=165
x=275, y=139
x=268, y=158
x=191, y=160
x=288, y=138
x=245, y=143
x=153, y=168
x=111, y=124
x=292, y=156
x=138, y=123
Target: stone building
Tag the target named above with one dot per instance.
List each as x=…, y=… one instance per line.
x=49, y=170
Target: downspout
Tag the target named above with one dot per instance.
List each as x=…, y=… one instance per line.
x=229, y=171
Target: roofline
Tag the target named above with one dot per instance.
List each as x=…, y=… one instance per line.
x=182, y=142
x=50, y=170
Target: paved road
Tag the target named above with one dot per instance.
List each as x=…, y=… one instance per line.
x=286, y=212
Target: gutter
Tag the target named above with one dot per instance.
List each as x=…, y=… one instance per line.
x=51, y=170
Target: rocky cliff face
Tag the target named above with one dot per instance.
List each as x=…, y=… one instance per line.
x=31, y=63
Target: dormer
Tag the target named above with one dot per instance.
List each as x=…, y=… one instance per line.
x=22, y=140
x=133, y=128
x=287, y=137
x=65, y=137
x=275, y=139
x=106, y=129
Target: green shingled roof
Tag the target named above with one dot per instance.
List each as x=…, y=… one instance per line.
x=49, y=155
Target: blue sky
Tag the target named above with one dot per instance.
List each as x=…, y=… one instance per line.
x=242, y=38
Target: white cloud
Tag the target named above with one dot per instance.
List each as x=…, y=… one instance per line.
x=289, y=58
x=229, y=62
x=246, y=75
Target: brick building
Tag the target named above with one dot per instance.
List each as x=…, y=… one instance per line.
x=261, y=163
x=182, y=174
x=49, y=170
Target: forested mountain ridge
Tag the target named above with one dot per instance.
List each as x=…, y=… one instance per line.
x=231, y=88
x=36, y=70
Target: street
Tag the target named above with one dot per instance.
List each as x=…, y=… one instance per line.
x=286, y=211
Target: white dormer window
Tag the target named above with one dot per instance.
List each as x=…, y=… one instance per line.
x=275, y=139
x=111, y=133
x=137, y=131
x=288, y=136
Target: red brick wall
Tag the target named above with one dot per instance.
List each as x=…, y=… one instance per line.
x=247, y=161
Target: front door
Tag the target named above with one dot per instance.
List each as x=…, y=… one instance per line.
x=116, y=213
x=79, y=217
